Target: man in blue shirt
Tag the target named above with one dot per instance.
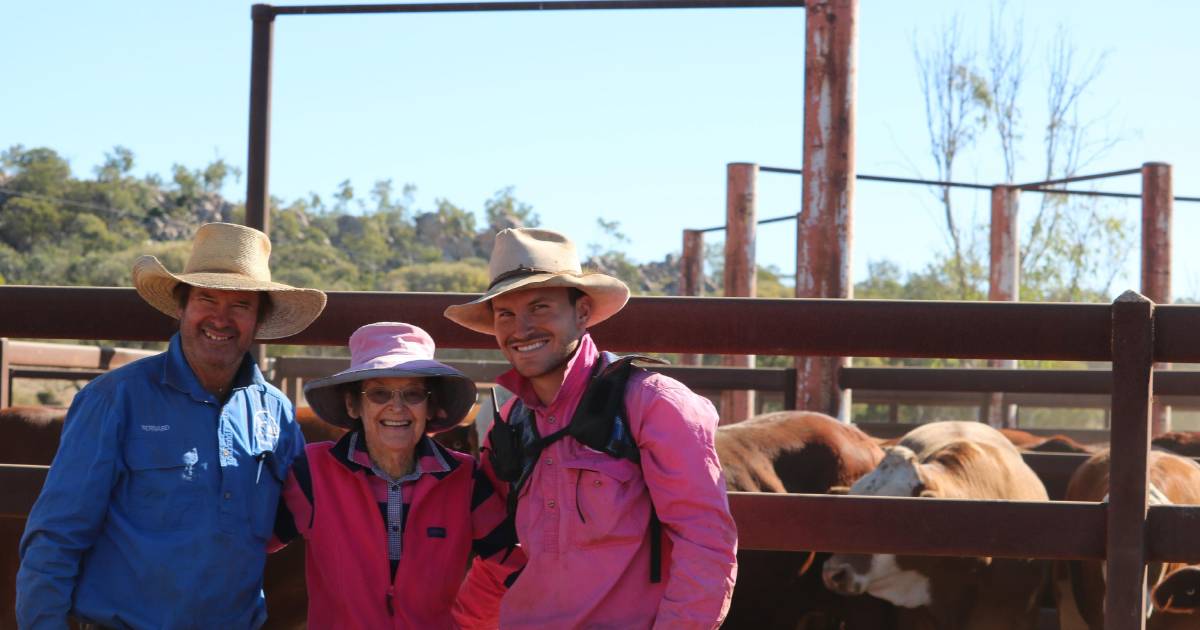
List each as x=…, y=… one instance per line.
x=159, y=503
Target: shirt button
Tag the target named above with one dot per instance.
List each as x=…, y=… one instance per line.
x=552, y=419
x=549, y=461
x=550, y=503
x=228, y=495
x=225, y=452
x=596, y=483
x=395, y=528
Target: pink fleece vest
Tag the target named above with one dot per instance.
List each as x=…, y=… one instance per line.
x=347, y=559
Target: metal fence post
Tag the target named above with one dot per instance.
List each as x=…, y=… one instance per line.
x=1157, y=207
x=741, y=216
x=824, y=226
x=691, y=277
x=1133, y=387
x=1004, y=282
x=5, y=374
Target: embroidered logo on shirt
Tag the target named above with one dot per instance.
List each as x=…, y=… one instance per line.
x=156, y=427
x=436, y=532
x=189, y=461
x=266, y=429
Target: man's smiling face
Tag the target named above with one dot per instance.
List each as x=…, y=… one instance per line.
x=538, y=330
x=216, y=328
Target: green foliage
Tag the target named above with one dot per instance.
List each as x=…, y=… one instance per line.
x=56, y=229
x=464, y=276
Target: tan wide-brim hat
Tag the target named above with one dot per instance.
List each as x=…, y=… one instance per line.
x=529, y=258
x=230, y=257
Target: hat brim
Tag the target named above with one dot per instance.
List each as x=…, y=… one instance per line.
x=453, y=392
x=609, y=295
x=292, y=309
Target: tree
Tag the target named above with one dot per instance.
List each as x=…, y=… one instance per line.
x=1071, y=248
x=957, y=99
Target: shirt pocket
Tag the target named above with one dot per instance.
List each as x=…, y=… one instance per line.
x=165, y=487
x=610, y=502
x=265, y=497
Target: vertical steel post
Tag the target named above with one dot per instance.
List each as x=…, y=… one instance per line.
x=1004, y=282
x=824, y=227
x=5, y=374
x=741, y=217
x=691, y=276
x=1157, y=207
x=1133, y=387
x=258, y=160
x=258, y=201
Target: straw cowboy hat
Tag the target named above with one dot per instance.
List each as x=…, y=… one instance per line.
x=527, y=258
x=390, y=349
x=231, y=258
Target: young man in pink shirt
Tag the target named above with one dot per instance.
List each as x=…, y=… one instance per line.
x=637, y=536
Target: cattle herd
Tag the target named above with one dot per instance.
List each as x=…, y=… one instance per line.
x=805, y=452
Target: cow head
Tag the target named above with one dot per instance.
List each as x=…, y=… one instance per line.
x=902, y=580
x=897, y=475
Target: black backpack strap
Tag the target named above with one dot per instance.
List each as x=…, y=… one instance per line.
x=605, y=427
x=655, y=546
x=600, y=422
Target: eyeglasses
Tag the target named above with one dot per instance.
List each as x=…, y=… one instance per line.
x=382, y=395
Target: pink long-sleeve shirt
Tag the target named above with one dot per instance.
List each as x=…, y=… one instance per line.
x=583, y=516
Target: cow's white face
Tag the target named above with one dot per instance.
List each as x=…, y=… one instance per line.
x=877, y=575
x=895, y=476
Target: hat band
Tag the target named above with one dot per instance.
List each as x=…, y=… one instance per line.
x=521, y=272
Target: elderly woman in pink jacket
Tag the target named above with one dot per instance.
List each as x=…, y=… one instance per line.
x=390, y=517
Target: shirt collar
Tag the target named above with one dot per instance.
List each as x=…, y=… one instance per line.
x=351, y=452
x=179, y=375
x=575, y=377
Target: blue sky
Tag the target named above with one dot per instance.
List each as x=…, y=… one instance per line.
x=629, y=116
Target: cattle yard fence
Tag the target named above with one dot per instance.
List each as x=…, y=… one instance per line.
x=31, y=359
x=1133, y=333
x=892, y=386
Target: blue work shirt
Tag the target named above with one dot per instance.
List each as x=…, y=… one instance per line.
x=158, y=506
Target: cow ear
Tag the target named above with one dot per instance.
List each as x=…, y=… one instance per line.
x=838, y=490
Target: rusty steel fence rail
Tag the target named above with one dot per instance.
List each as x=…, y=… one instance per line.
x=1133, y=333
x=30, y=359
x=822, y=327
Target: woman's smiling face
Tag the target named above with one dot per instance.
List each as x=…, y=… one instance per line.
x=393, y=426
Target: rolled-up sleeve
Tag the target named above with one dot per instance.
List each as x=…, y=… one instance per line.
x=69, y=512
x=675, y=430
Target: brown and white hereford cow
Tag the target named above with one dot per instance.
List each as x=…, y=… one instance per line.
x=952, y=460
x=1080, y=585
x=795, y=451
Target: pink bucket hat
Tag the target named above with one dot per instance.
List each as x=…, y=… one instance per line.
x=389, y=349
